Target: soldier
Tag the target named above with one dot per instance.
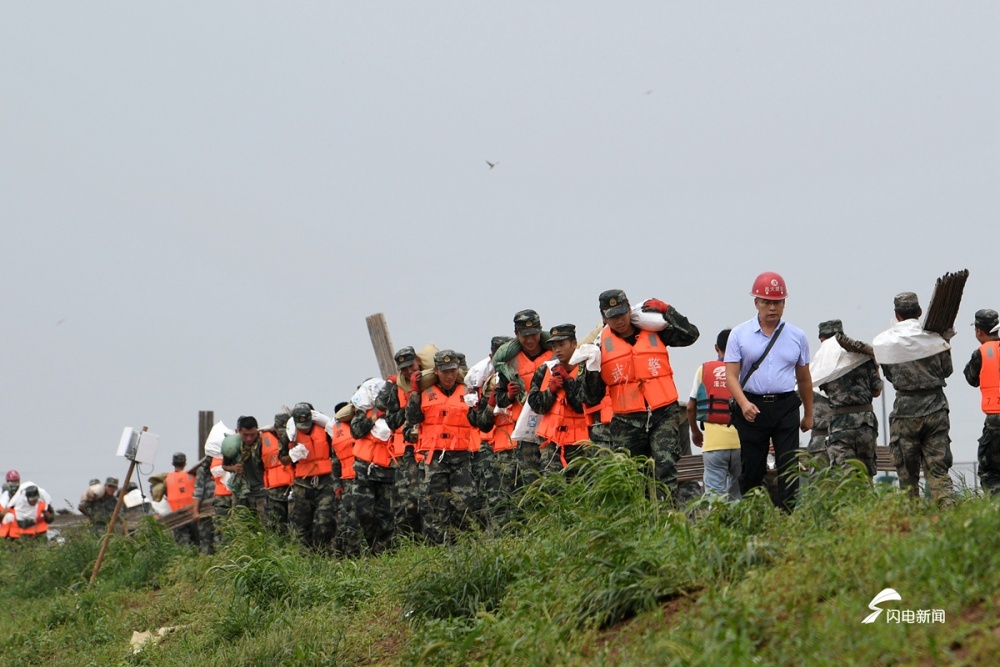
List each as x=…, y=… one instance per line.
x=278, y=472
x=408, y=480
x=636, y=374
x=494, y=466
x=204, y=488
x=248, y=465
x=313, y=514
x=99, y=508
x=563, y=425
x=513, y=384
x=446, y=439
x=983, y=371
x=349, y=533
x=180, y=495
x=374, y=478
x=29, y=514
x=853, y=426
x=708, y=407
x=917, y=363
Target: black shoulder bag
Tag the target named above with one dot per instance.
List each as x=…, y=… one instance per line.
x=734, y=407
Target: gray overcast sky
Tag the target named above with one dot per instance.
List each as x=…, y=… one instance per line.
x=202, y=201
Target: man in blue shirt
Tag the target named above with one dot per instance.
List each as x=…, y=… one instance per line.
x=768, y=406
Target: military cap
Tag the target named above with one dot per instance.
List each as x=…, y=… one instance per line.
x=111, y=481
x=95, y=480
x=905, y=300
x=303, y=416
x=404, y=357
x=445, y=360
x=830, y=328
x=497, y=341
x=986, y=319
x=179, y=459
x=527, y=322
x=613, y=303
x=281, y=419
x=562, y=332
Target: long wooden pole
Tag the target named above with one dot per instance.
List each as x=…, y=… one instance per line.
x=114, y=517
x=379, y=333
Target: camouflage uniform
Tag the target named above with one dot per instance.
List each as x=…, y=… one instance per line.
x=853, y=426
x=204, y=488
x=407, y=478
x=919, y=423
x=99, y=510
x=549, y=454
x=448, y=486
x=252, y=493
x=372, y=495
x=313, y=501
x=989, y=442
x=654, y=433
x=276, y=499
x=821, y=427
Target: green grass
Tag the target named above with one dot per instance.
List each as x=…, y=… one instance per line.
x=595, y=572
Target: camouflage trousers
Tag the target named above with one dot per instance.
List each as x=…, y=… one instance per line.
x=187, y=534
x=313, y=514
x=407, y=492
x=372, y=505
x=856, y=443
x=256, y=505
x=817, y=446
x=448, y=495
x=555, y=459
x=600, y=434
x=495, y=481
x=922, y=441
x=529, y=463
x=276, y=509
x=989, y=455
x=654, y=434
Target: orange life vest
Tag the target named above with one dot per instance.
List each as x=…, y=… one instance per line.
x=344, y=448
x=638, y=377
x=446, y=422
x=180, y=490
x=989, y=376
x=318, y=462
x=370, y=449
x=525, y=369
x=276, y=473
x=561, y=424
x=221, y=489
x=714, y=407
x=40, y=528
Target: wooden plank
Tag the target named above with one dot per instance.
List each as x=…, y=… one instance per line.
x=382, y=343
x=206, y=419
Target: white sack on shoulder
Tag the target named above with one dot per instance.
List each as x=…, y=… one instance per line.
x=298, y=452
x=162, y=508
x=478, y=374
x=213, y=443
x=907, y=341
x=588, y=352
x=364, y=397
x=651, y=321
x=832, y=362
x=526, y=428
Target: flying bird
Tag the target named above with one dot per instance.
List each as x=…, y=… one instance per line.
x=60, y=321
x=492, y=164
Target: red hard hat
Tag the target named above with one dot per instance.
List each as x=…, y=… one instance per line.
x=13, y=476
x=769, y=285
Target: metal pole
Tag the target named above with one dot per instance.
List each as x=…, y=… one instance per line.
x=111, y=524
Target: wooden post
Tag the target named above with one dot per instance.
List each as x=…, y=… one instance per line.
x=206, y=419
x=111, y=523
x=379, y=333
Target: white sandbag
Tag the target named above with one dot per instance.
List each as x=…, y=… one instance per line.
x=213, y=443
x=526, y=428
x=364, y=397
x=162, y=507
x=832, y=362
x=133, y=498
x=381, y=430
x=479, y=374
x=589, y=353
x=907, y=341
x=647, y=321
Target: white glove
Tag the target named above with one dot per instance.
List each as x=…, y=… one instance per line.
x=471, y=399
x=298, y=452
x=381, y=430
x=217, y=472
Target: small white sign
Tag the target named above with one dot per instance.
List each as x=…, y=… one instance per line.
x=128, y=444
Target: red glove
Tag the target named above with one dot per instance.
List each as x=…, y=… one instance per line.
x=493, y=400
x=555, y=383
x=654, y=305
x=512, y=391
x=339, y=492
x=391, y=378
x=561, y=372
x=415, y=381
x=379, y=414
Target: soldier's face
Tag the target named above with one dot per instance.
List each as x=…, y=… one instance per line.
x=530, y=343
x=109, y=490
x=448, y=378
x=249, y=435
x=621, y=324
x=563, y=349
x=768, y=311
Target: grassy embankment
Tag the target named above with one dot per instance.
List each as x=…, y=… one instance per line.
x=600, y=575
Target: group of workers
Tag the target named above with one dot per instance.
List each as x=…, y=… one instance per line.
x=25, y=510
x=428, y=451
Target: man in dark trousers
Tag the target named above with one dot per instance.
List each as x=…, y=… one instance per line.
x=983, y=371
x=767, y=409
